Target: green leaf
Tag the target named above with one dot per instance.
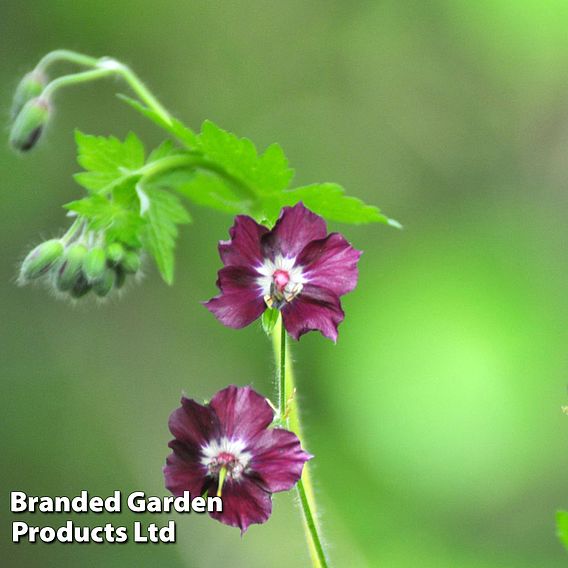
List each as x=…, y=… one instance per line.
x=119, y=217
x=107, y=161
x=165, y=149
x=269, y=320
x=175, y=127
x=238, y=157
x=208, y=190
x=273, y=172
x=329, y=201
x=163, y=212
x=562, y=527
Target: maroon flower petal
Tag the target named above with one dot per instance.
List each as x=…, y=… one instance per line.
x=278, y=459
x=295, y=228
x=193, y=424
x=314, y=309
x=183, y=472
x=243, y=249
x=244, y=503
x=330, y=263
x=242, y=412
x=240, y=301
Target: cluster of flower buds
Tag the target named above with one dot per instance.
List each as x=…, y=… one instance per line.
x=30, y=112
x=75, y=267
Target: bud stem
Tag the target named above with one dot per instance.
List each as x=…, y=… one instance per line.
x=72, y=231
x=75, y=78
x=103, y=67
x=65, y=55
x=140, y=89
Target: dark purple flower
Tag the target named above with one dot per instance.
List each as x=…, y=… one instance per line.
x=296, y=267
x=230, y=439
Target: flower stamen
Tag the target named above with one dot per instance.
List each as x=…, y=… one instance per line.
x=225, y=459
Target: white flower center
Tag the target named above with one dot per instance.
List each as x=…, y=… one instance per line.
x=280, y=280
x=225, y=453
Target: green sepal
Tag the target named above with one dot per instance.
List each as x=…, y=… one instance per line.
x=81, y=288
x=69, y=271
x=30, y=87
x=94, y=263
x=41, y=259
x=120, y=277
x=115, y=253
x=29, y=124
x=269, y=320
x=105, y=283
x=131, y=262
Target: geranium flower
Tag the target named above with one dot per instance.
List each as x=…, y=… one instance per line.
x=296, y=267
x=227, y=448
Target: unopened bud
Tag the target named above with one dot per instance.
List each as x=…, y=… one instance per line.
x=70, y=269
x=81, y=288
x=30, y=87
x=41, y=259
x=131, y=262
x=94, y=263
x=120, y=277
x=115, y=253
x=29, y=124
x=104, y=284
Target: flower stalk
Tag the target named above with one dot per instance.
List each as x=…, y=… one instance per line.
x=304, y=486
x=100, y=68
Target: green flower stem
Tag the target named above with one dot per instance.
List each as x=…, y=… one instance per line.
x=188, y=160
x=66, y=55
x=304, y=486
x=282, y=395
x=105, y=67
x=102, y=67
x=139, y=88
x=77, y=225
x=74, y=79
x=197, y=161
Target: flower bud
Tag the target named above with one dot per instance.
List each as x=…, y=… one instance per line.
x=115, y=253
x=70, y=270
x=94, y=263
x=30, y=87
x=120, y=277
x=41, y=259
x=131, y=262
x=104, y=285
x=29, y=124
x=81, y=288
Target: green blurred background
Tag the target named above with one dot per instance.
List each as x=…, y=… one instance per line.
x=436, y=419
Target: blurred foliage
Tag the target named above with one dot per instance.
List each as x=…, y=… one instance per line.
x=436, y=420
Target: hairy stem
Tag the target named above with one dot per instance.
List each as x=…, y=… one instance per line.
x=139, y=88
x=102, y=67
x=189, y=160
x=78, y=225
x=282, y=396
x=105, y=67
x=75, y=79
x=305, y=487
x=66, y=55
